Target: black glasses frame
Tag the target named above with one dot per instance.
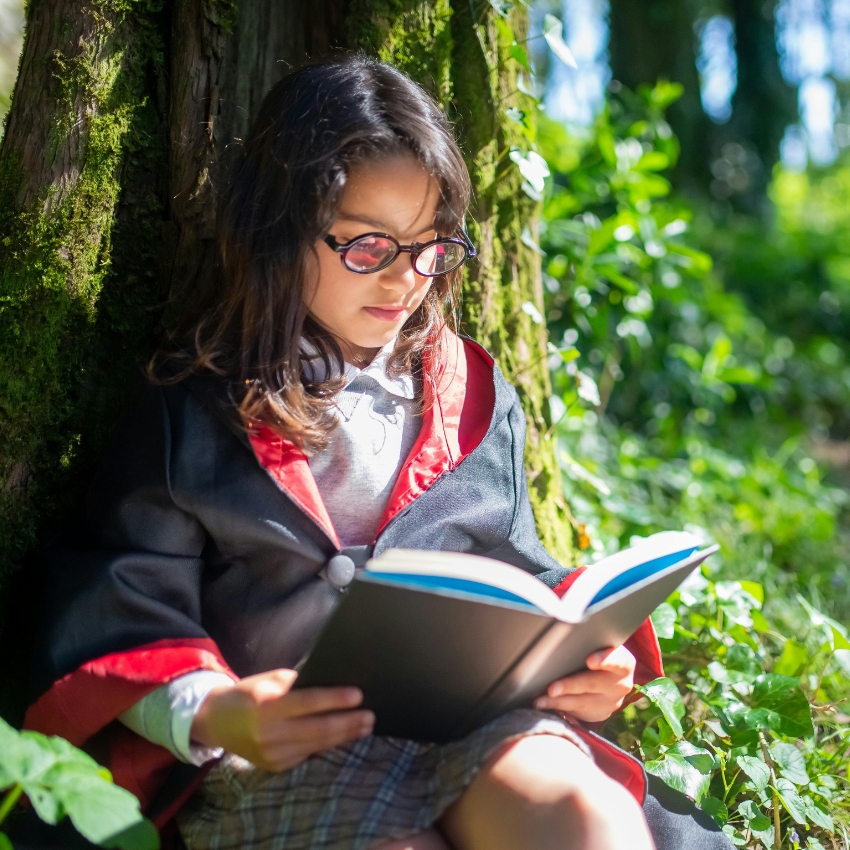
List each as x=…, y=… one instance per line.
x=414, y=249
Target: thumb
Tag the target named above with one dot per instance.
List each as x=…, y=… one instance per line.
x=596, y=660
x=273, y=684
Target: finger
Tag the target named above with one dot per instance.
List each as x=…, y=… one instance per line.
x=617, y=660
x=589, y=707
x=588, y=682
x=317, y=701
x=576, y=705
x=323, y=731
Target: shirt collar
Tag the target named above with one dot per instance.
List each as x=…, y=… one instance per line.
x=401, y=386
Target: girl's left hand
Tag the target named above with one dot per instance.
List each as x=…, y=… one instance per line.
x=596, y=693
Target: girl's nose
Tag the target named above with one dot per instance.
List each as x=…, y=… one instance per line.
x=400, y=275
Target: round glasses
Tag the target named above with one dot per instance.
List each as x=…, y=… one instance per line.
x=372, y=252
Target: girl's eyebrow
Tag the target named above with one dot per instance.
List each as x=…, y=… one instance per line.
x=365, y=219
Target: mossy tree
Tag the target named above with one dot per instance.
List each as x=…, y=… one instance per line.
x=118, y=138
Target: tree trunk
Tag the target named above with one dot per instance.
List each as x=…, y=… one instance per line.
x=763, y=104
x=654, y=39
x=117, y=142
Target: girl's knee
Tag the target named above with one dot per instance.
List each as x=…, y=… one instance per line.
x=544, y=792
x=546, y=769
x=555, y=779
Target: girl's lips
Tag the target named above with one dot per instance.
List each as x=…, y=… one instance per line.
x=388, y=314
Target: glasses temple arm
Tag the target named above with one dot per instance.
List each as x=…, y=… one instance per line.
x=469, y=246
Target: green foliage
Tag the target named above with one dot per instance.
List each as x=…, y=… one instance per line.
x=761, y=751
x=677, y=404
x=61, y=780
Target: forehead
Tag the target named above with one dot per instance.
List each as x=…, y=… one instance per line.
x=396, y=193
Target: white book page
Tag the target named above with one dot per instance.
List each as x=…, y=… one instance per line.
x=414, y=566
x=654, y=553
x=475, y=575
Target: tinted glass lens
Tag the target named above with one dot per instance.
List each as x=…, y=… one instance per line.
x=370, y=254
x=440, y=258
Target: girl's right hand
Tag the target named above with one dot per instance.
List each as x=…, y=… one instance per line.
x=264, y=721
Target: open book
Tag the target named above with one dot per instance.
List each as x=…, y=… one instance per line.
x=442, y=642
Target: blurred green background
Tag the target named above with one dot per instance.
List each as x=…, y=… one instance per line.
x=697, y=267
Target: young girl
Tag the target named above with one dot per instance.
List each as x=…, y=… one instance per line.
x=317, y=411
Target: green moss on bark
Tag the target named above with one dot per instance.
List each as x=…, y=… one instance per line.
x=507, y=277
x=414, y=36
x=72, y=319
x=461, y=51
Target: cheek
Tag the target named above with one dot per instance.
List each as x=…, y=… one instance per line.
x=326, y=282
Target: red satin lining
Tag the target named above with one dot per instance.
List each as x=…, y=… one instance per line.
x=288, y=465
x=83, y=702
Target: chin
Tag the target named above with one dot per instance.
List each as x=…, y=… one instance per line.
x=376, y=340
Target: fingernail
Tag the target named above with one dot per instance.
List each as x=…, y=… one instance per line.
x=556, y=691
x=541, y=702
x=354, y=695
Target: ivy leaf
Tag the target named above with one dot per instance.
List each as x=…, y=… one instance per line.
x=716, y=809
x=756, y=769
x=140, y=836
x=528, y=240
x=45, y=803
x=532, y=167
x=817, y=815
x=677, y=772
x=517, y=116
x=59, y=779
x=553, y=33
x=98, y=809
x=703, y=760
x=733, y=835
x=664, y=620
x=777, y=703
x=531, y=310
x=517, y=52
x=792, y=660
x=741, y=659
x=665, y=696
x=758, y=822
x=791, y=800
x=755, y=818
x=790, y=761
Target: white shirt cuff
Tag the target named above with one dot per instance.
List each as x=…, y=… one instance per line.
x=165, y=715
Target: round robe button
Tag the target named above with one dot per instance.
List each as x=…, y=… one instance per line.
x=340, y=571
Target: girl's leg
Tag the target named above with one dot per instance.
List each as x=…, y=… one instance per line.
x=544, y=793
x=428, y=840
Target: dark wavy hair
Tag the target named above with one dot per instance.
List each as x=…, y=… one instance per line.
x=313, y=127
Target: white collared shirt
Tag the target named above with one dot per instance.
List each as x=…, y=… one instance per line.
x=378, y=425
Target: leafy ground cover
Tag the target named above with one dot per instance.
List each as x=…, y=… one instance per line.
x=59, y=780
x=698, y=368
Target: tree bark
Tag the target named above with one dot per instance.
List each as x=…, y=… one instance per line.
x=652, y=40
x=763, y=104
x=120, y=133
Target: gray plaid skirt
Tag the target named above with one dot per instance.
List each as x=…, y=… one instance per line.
x=348, y=798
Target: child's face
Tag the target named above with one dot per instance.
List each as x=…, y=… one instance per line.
x=365, y=311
